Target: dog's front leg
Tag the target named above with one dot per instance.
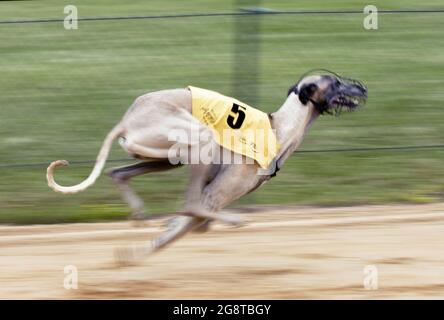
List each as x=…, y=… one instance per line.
x=200, y=176
x=131, y=255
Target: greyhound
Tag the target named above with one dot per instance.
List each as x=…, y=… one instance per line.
x=143, y=133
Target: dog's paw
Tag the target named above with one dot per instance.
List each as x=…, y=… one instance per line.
x=172, y=223
x=139, y=216
x=202, y=228
x=129, y=256
x=234, y=220
x=139, y=219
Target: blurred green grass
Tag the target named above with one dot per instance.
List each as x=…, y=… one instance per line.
x=61, y=91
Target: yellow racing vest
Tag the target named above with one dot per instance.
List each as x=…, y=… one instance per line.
x=237, y=126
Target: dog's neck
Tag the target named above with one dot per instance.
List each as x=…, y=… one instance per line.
x=291, y=122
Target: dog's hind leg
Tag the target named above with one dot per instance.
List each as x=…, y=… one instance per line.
x=122, y=175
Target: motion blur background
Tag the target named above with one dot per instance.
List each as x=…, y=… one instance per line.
x=62, y=90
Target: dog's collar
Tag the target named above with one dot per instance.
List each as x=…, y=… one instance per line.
x=276, y=169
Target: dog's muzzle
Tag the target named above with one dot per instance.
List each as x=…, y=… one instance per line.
x=347, y=94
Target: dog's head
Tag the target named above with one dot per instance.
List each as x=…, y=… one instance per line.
x=330, y=93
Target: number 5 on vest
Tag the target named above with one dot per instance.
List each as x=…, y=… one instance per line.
x=239, y=111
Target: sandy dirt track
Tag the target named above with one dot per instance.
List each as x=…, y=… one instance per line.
x=286, y=253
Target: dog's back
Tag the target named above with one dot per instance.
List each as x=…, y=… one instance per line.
x=169, y=99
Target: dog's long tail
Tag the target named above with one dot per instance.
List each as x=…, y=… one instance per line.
x=100, y=163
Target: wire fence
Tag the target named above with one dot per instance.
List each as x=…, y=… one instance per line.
x=338, y=150
x=244, y=12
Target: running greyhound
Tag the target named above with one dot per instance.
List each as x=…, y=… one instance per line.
x=144, y=134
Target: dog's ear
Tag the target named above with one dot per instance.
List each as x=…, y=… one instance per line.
x=293, y=89
x=306, y=92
